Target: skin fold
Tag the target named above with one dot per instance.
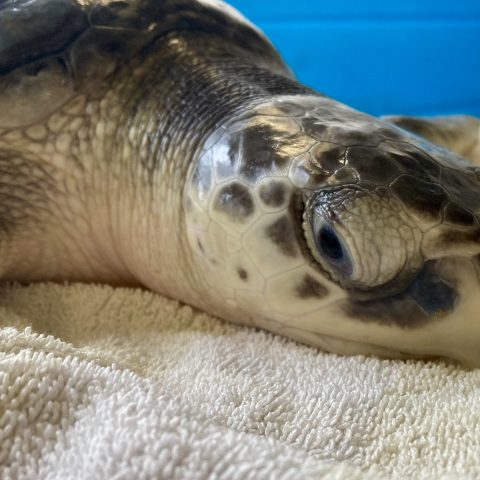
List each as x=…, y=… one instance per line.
x=166, y=145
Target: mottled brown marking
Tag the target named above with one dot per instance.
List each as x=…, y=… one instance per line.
x=282, y=235
x=235, y=201
x=454, y=213
x=329, y=159
x=372, y=164
x=242, y=273
x=310, y=288
x=459, y=237
x=273, y=194
x=405, y=313
x=425, y=198
x=260, y=150
x=463, y=188
x=428, y=298
x=410, y=159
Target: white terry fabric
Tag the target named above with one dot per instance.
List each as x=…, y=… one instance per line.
x=98, y=383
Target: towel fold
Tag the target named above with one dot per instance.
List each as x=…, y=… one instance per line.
x=99, y=382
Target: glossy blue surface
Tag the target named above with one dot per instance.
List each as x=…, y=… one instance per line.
x=409, y=56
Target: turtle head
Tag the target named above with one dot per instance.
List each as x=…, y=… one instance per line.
x=330, y=226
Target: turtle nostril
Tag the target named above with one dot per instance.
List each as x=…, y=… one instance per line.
x=330, y=244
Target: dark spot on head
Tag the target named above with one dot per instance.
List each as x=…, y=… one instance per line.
x=459, y=237
x=329, y=159
x=426, y=164
x=462, y=187
x=311, y=174
x=282, y=235
x=242, y=273
x=200, y=246
x=387, y=311
x=260, y=150
x=273, y=194
x=411, y=159
x=454, y=213
x=235, y=201
x=427, y=298
x=310, y=288
x=371, y=164
x=431, y=293
x=424, y=198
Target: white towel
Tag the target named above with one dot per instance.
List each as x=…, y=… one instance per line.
x=99, y=383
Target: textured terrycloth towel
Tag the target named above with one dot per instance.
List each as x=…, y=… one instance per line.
x=101, y=383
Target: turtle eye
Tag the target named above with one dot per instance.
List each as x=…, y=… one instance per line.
x=329, y=244
x=331, y=248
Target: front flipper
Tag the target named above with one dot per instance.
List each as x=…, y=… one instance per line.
x=458, y=133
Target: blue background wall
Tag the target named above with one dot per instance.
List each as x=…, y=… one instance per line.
x=380, y=56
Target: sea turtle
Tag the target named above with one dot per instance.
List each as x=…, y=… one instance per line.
x=164, y=143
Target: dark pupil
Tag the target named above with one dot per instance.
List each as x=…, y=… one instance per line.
x=330, y=244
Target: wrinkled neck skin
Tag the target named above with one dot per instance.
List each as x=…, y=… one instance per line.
x=190, y=88
x=111, y=166
x=204, y=172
